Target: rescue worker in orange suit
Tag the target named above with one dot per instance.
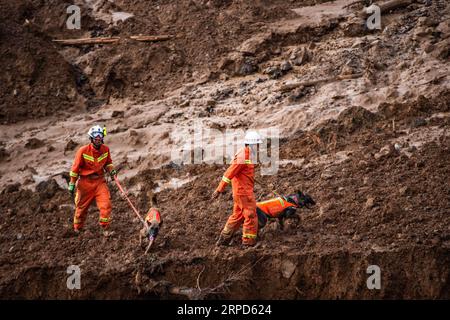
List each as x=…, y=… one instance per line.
x=87, y=173
x=241, y=175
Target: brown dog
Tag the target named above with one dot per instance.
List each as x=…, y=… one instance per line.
x=152, y=222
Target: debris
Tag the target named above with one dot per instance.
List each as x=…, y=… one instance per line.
x=151, y=38
x=370, y=203
x=389, y=5
x=287, y=268
x=404, y=190
x=88, y=41
x=285, y=66
x=34, y=143
x=12, y=188
x=386, y=150
x=117, y=114
x=71, y=145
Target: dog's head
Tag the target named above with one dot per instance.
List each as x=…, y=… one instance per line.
x=302, y=200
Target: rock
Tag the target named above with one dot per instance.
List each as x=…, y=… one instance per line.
x=287, y=268
x=370, y=203
x=50, y=148
x=326, y=175
x=435, y=241
x=34, y=143
x=442, y=49
x=3, y=154
x=237, y=63
x=444, y=29
x=397, y=146
x=211, y=103
x=421, y=32
x=133, y=133
x=355, y=26
x=300, y=57
x=11, y=249
x=249, y=66
x=404, y=190
x=382, y=153
x=297, y=94
x=347, y=70
x=12, y=188
x=285, y=66
x=19, y=236
x=185, y=104
x=71, y=145
x=419, y=122
x=297, y=62
x=47, y=189
x=222, y=94
x=118, y=114
x=274, y=72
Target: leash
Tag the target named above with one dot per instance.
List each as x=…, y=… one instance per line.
x=273, y=191
x=128, y=199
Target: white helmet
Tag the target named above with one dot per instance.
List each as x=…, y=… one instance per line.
x=96, y=130
x=252, y=137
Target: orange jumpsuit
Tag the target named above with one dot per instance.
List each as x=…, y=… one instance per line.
x=241, y=175
x=88, y=167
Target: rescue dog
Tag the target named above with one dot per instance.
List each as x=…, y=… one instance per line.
x=153, y=223
x=283, y=207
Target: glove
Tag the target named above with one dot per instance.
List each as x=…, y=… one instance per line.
x=71, y=188
x=113, y=173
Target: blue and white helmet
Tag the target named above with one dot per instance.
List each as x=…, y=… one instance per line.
x=95, y=131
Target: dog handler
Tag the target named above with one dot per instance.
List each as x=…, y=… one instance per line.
x=88, y=168
x=241, y=175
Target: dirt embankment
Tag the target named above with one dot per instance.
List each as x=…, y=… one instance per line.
x=42, y=78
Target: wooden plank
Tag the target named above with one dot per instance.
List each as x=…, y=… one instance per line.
x=87, y=41
x=151, y=38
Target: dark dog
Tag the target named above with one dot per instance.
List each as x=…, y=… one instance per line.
x=282, y=207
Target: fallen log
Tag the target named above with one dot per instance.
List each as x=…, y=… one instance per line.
x=86, y=41
x=151, y=38
x=310, y=83
x=389, y=5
